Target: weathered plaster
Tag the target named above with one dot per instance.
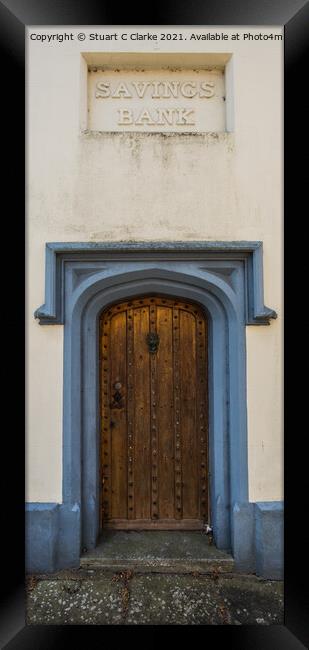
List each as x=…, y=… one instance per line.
x=108, y=188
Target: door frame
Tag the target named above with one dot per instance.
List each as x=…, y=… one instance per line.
x=222, y=391
x=225, y=278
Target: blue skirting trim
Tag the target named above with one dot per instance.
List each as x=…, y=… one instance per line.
x=42, y=528
x=257, y=538
x=243, y=537
x=269, y=539
x=53, y=538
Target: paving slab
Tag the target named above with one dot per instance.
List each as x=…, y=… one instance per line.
x=101, y=597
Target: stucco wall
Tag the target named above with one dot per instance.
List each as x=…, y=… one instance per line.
x=97, y=187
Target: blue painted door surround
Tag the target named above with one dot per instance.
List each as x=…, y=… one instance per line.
x=225, y=278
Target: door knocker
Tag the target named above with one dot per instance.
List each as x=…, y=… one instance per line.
x=153, y=341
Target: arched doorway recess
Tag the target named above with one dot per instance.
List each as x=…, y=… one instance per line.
x=225, y=279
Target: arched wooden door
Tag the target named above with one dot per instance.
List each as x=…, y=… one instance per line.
x=154, y=453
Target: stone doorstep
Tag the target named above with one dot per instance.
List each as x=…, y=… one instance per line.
x=161, y=565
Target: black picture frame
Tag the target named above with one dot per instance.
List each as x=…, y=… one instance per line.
x=14, y=16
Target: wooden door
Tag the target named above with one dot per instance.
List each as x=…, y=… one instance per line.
x=154, y=415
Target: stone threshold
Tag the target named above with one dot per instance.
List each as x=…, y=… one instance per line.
x=153, y=565
x=157, y=552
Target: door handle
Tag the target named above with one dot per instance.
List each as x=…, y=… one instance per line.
x=117, y=397
x=117, y=400
x=112, y=424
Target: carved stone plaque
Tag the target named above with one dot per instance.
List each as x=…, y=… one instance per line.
x=156, y=100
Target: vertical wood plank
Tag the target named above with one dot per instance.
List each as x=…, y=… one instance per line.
x=153, y=419
x=202, y=413
x=130, y=412
x=165, y=415
x=190, y=477
x=142, y=474
x=177, y=423
x=118, y=344
x=105, y=417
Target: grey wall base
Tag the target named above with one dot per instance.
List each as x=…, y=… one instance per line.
x=53, y=538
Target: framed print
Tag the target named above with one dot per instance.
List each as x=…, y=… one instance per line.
x=154, y=451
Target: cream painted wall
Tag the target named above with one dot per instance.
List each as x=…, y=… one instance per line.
x=96, y=187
